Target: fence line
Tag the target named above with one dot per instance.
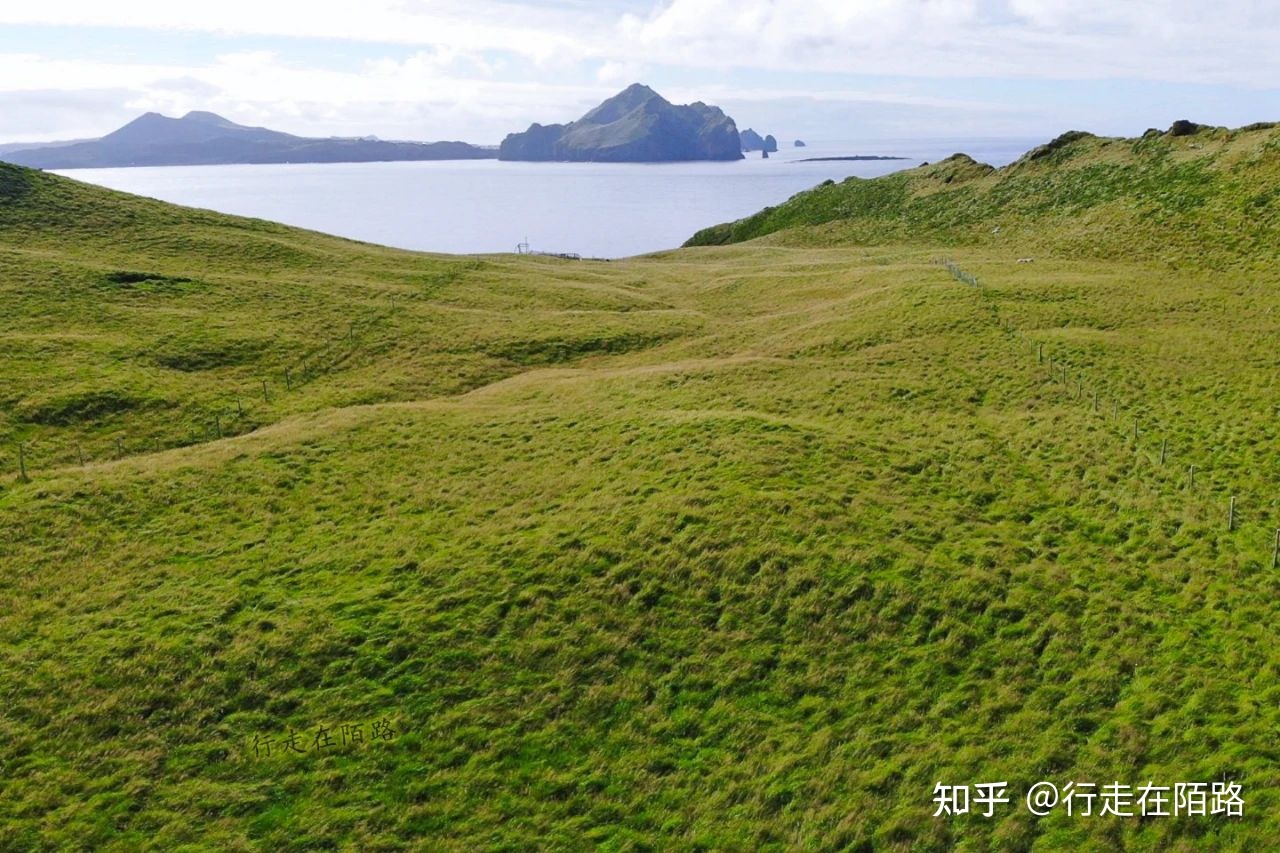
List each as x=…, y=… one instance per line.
x=1058, y=371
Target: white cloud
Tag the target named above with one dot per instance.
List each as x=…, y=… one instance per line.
x=479, y=70
x=757, y=32
x=1166, y=40
x=420, y=97
x=1229, y=41
x=543, y=35
x=615, y=73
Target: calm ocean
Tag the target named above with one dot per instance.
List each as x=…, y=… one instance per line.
x=598, y=210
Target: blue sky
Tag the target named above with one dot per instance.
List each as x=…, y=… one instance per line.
x=820, y=69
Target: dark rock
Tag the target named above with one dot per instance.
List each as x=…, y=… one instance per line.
x=853, y=158
x=799, y=143
x=1182, y=127
x=764, y=153
x=752, y=141
x=537, y=143
x=635, y=126
x=1058, y=144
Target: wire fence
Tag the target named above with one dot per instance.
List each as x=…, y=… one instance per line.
x=236, y=415
x=1125, y=419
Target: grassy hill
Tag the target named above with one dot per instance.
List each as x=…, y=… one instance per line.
x=1192, y=195
x=739, y=547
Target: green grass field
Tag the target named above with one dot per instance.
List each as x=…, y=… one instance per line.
x=741, y=546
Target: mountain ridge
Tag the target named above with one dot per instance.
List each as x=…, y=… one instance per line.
x=201, y=138
x=752, y=141
x=637, y=125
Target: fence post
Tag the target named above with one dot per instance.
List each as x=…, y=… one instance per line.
x=1040, y=353
x=1275, y=552
x=1231, y=514
x=217, y=425
x=1135, y=430
x=1164, y=450
x=239, y=408
x=288, y=383
x=22, y=463
x=1095, y=399
x=119, y=448
x=266, y=397
x=80, y=454
x=1191, y=476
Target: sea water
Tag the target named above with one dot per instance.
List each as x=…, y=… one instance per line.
x=481, y=206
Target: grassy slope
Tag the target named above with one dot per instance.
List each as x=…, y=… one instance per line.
x=153, y=324
x=739, y=547
x=1211, y=199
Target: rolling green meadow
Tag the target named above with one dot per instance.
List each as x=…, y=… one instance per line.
x=742, y=546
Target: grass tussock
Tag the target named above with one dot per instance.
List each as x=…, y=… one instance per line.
x=741, y=547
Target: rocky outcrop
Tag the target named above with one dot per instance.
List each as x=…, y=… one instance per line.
x=799, y=143
x=1059, y=143
x=635, y=126
x=1183, y=127
x=752, y=141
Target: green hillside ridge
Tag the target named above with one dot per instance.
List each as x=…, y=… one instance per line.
x=135, y=322
x=1208, y=196
x=737, y=547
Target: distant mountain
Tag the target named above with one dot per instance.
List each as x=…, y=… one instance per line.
x=203, y=138
x=635, y=126
x=26, y=146
x=751, y=141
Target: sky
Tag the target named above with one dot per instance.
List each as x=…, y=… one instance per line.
x=474, y=70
